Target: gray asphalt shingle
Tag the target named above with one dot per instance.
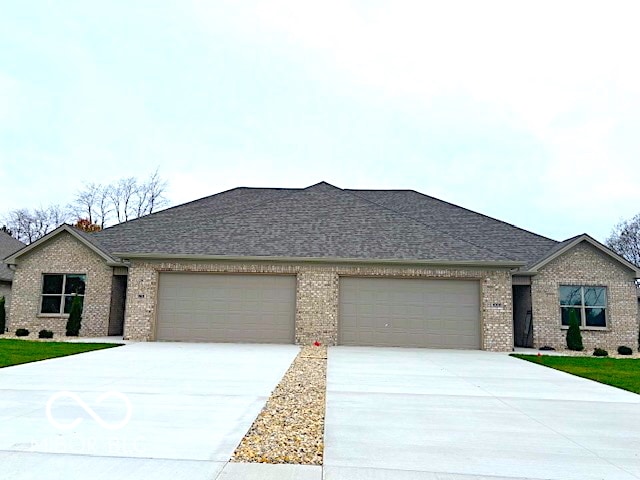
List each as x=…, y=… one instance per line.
x=511, y=241
x=8, y=246
x=323, y=221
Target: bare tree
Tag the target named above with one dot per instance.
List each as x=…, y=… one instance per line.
x=59, y=215
x=19, y=221
x=625, y=239
x=121, y=194
x=104, y=206
x=86, y=201
x=156, y=188
x=95, y=203
x=150, y=195
x=30, y=225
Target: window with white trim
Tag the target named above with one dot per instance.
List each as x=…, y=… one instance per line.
x=589, y=302
x=58, y=291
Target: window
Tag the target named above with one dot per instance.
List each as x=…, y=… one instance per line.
x=58, y=290
x=590, y=304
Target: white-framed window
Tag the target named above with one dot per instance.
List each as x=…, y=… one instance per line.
x=590, y=304
x=58, y=290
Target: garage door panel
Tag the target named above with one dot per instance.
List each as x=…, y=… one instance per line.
x=409, y=312
x=226, y=308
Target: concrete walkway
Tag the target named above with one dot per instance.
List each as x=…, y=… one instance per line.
x=191, y=404
x=433, y=414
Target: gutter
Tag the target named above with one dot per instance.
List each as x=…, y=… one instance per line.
x=524, y=273
x=379, y=261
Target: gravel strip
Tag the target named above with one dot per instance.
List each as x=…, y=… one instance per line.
x=290, y=428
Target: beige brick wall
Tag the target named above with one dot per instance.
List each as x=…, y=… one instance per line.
x=585, y=265
x=62, y=254
x=317, y=295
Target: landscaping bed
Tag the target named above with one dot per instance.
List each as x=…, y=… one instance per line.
x=290, y=428
x=618, y=372
x=18, y=351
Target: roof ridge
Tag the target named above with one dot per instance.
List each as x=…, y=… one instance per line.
x=322, y=186
x=429, y=226
x=335, y=190
x=188, y=203
x=251, y=207
x=485, y=216
x=456, y=206
x=171, y=208
x=245, y=209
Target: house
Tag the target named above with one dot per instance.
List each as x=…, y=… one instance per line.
x=8, y=245
x=349, y=267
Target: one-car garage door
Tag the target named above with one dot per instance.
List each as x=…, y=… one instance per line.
x=409, y=313
x=226, y=308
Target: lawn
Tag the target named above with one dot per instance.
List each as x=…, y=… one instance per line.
x=15, y=352
x=617, y=372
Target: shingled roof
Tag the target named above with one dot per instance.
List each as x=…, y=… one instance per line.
x=323, y=221
x=8, y=246
x=511, y=241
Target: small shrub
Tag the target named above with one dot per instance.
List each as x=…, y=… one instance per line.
x=75, y=317
x=3, y=316
x=574, y=337
x=599, y=352
x=45, y=334
x=546, y=348
x=22, y=332
x=622, y=350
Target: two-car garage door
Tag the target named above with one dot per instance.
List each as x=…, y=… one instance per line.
x=391, y=312
x=226, y=308
x=372, y=311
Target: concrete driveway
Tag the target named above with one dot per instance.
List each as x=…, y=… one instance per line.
x=191, y=404
x=428, y=414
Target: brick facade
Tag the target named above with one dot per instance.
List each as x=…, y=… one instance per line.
x=62, y=254
x=585, y=265
x=317, y=295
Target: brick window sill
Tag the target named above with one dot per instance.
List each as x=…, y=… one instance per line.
x=589, y=329
x=52, y=315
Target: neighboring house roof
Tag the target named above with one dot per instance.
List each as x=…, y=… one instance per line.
x=8, y=246
x=81, y=236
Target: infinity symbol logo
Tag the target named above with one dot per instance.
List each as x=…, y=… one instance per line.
x=89, y=410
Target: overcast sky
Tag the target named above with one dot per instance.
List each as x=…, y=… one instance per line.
x=525, y=111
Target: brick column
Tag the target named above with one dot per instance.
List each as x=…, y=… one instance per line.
x=317, y=307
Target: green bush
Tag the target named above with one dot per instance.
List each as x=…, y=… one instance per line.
x=3, y=316
x=22, y=332
x=45, y=334
x=75, y=317
x=622, y=350
x=574, y=337
x=599, y=352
